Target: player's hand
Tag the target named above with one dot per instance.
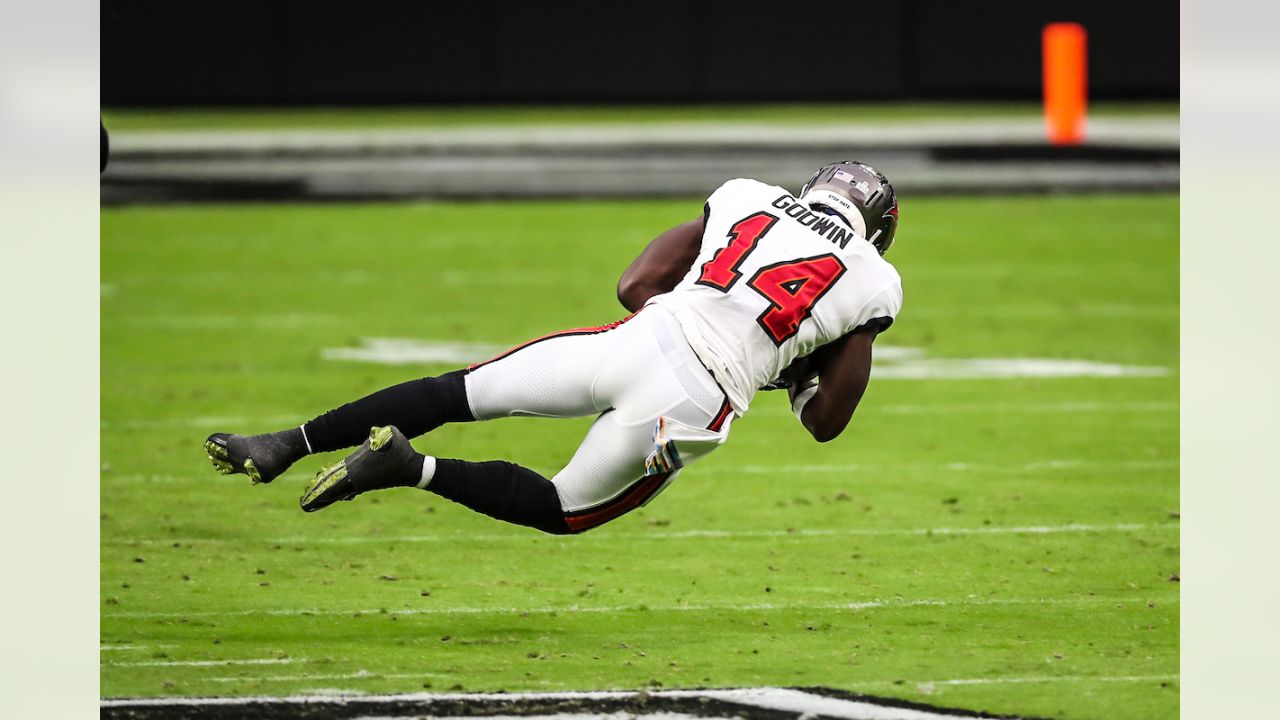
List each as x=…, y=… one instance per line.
x=800, y=370
x=796, y=388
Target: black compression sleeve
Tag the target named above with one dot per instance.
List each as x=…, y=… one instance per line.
x=501, y=490
x=415, y=407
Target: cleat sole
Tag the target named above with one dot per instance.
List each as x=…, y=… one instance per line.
x=378, y=438
x=252, y=471
x=215, y=450
x=324, y=480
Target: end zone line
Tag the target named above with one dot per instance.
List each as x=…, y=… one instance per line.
x=675, y=535
x=576, y=609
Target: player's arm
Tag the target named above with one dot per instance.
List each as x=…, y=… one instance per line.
x=661, y=265
x=844, y=367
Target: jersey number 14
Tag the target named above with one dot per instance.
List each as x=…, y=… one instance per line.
x=792, y=287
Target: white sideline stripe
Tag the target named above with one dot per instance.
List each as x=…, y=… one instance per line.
x=781, y=699
x=206, y=663
x=807, y=704
x=678, y=534
x=592, y=715
x=575, y=609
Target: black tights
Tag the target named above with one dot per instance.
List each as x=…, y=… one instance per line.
x=498, y=489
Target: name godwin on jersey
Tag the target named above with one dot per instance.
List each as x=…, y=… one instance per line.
x=774, y=281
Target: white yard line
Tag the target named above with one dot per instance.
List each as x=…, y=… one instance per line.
x=800, y=532
x=232, y=422
x=238, y=322
x=674, y=535
x=1032, y=466
x=1060, y=678
x=207, y=663
x=1005, y=408
x=1021, y=680
x=895, y=363
x=337, y=676
x=577, y=610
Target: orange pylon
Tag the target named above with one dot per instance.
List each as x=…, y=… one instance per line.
x=1065, y=82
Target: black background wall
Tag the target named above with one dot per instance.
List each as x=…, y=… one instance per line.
x=293, y=52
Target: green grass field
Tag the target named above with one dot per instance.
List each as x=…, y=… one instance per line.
x=454, y=116
x=776, y=561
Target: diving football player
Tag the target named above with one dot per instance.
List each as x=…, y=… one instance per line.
x=766, y=290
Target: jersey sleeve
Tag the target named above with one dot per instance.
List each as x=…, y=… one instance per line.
x=881, y=310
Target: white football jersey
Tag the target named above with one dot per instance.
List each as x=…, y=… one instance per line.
x=774, y=281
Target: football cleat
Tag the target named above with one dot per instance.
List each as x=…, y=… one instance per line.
x=385, y=460
x=261, y=457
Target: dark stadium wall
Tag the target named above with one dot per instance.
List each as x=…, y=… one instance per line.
x=293, y=52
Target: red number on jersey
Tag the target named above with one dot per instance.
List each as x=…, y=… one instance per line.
x=721, y=271
x=791, y=287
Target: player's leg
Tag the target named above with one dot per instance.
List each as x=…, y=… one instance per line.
x=605, y=479
x=416, y=407
x=641, y=379
x=550, y=376
x=661, y=378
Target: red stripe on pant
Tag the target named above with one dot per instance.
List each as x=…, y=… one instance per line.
x=633, y=497
x=721, y=416
x=563, y=333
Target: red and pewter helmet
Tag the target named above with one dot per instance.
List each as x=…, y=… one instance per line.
x=859, y=194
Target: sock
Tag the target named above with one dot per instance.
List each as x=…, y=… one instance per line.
x=501, y=490
x=411, y=474
x=415, y=407
x=428, y=472
x=286, y=446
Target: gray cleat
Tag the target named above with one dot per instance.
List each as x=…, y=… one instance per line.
x=261, y=457
x=385, y=460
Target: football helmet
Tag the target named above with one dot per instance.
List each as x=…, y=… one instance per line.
x=860, y=195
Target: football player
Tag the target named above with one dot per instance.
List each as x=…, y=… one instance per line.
x=766, y=290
